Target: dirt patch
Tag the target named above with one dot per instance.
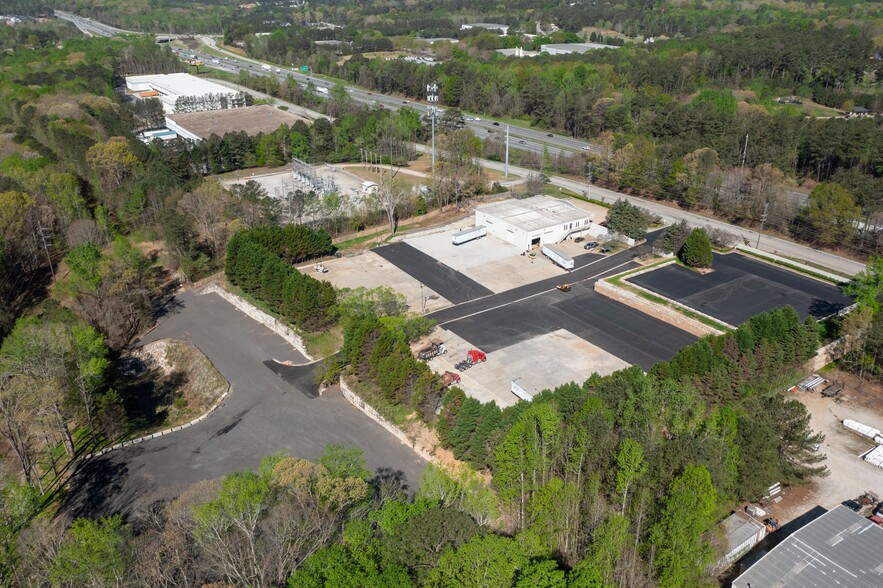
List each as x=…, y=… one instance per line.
x=849, y=475
x=167, y=383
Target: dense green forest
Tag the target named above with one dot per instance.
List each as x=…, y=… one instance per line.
x=619, y=480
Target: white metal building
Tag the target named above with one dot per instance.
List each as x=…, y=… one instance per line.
x=564, y=48
x=169, y=87
x=491, y=26
x=534, y=221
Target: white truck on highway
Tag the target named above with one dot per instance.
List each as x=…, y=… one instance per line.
x=266, y=67
x=467, y=235
x=558, y=256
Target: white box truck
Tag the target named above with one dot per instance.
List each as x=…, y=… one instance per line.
x=266, y=67
x=558, y=256
x=322, y=91
x=466, y=235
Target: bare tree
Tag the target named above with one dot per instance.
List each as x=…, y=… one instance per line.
x=18, y=416
x=388, y=197
x=207, y=206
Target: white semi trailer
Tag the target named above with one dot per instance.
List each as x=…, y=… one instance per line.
x=558, y=256
x=466, y=235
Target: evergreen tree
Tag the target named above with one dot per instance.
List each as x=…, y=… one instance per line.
x=696, y=251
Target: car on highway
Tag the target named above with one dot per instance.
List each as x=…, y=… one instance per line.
x=586, y=148
x=521, y=142
x=476, y=119
x=369, y=93
x=496, y=124
x=404, y=101
x=591, y=245
x=549, y=135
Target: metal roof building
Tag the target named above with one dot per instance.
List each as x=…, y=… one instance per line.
x=564, y=48
x=169, y=87
x=839, y=549
x=534, y=221
x=743, y=533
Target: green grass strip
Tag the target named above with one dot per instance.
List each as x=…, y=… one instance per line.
x=796, y=268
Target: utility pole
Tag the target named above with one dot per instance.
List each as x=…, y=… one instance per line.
x=762, y=220
x=507, y=152
x=45, y=247
x=432, y=98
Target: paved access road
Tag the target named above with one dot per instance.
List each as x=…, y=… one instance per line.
x=741, y=287
x=448, y=282
x=262, y=415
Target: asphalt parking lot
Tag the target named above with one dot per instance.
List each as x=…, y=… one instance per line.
x=263, y=414
x=495, y=322
x=448, y=282
x=741, y=287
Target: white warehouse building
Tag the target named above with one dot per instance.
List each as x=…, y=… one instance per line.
x=169, y=87
x=534, y=221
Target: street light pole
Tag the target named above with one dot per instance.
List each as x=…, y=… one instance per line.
x=507, y=152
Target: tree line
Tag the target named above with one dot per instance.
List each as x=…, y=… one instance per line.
x=605, y=473
x=258, y=262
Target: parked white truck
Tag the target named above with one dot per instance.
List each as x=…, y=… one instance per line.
x=558, y=256
x=467, y=235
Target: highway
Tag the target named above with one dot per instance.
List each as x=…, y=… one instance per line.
x=520, y=138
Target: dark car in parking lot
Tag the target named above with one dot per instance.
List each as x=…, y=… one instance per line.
x=591, y=245
x=852, y=505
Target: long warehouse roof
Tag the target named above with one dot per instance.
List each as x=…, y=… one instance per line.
x=536, y=212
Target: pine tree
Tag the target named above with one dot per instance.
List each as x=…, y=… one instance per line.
x=696, y=251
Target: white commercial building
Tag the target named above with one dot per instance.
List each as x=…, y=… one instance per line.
x=564, y=48
x=168, y=88
x=491, y=26
x=534, y=221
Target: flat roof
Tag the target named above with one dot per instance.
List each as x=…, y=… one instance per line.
x=534, y=213
x=180, y=84
x=251, y=119
x=576, y=47
x=840, y=548
x=740, y=528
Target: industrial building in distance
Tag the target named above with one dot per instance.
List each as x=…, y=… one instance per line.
x=181, y=92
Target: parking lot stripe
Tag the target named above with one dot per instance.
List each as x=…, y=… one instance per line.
x=535, y=294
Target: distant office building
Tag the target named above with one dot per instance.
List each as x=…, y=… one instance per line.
x=565, y=48
x=504, y=29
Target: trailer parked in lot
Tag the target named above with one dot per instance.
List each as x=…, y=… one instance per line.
x=558, y=256
x=466, y=235
x=523, y=389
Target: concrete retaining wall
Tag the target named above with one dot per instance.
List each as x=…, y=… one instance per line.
x=663, y=313
x=823, y=357
x=260, y=316
x=372, y=413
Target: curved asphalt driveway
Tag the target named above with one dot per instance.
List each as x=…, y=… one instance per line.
x=262, y=415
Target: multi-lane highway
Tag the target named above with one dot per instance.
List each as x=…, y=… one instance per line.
x=519, y=137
